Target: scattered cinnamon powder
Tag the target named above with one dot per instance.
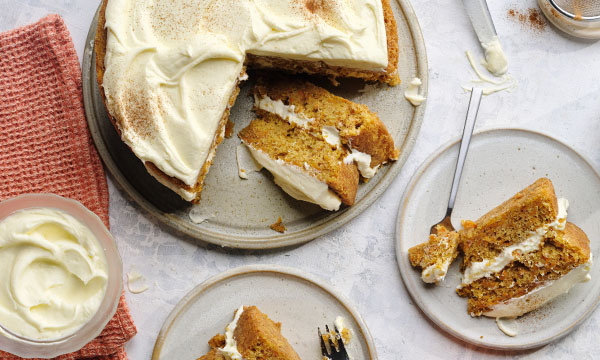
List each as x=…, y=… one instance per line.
x=532, y=18
x=278, y=226
x=229, y=129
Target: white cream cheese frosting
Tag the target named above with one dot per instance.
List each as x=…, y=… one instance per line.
x=199, y=214
x=412, y=92
x=245, y=161
x=171, y=66
x=136, y=283
x=53, y=274
x=297, y=182
x=541, y=295
x=435, y=273
x=363, y=162
x=501, y=83
x=487, y=267
x=508, y=325
x=230, y=348
x=331, y=135
x=495, y=60
x=286, y=112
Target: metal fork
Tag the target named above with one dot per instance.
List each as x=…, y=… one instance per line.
x=330, y=350
x=474, y=102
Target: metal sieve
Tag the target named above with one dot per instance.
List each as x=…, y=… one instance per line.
x=581, y=10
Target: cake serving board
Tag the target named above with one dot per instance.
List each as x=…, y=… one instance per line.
x=238, y=212
x=299, y=301
x=500, y=163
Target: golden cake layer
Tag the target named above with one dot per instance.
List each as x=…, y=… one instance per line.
x=359, y=128
x=285, y=142
x=559, y=253
x=257, y=338
x=510, y=222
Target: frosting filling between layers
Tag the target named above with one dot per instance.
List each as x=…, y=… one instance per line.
x=488, y=267
x=363, y=162
x=541, y=295
x=298, y=183
x=230, y=348
x=330, y=134
x=435, y=273
x=171, y=66
x=286, y=112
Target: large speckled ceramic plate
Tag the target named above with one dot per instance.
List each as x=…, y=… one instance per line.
x=240, y=211
x=499, y=163
x=300, y=302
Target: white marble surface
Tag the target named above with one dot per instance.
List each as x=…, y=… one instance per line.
x=558, y=93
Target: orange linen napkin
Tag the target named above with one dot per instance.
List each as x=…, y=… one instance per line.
x=45, y=145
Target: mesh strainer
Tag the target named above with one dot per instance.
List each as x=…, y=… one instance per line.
x=584, y=10
x=579, y=18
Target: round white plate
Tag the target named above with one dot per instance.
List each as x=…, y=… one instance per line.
x=230, y=203
x=300, y=302
x=499, y=164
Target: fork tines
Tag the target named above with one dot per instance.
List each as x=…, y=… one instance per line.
x=332, y=344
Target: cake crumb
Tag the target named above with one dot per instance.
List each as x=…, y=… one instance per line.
x=532, y=18
x=229, y=129
x=278, y=226
x=468, y=224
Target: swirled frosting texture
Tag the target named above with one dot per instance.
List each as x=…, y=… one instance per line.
x=53, y=274
x=171, y=66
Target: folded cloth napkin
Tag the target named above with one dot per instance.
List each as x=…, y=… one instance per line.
x=45, y=145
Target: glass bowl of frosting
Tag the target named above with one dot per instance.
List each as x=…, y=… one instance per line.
x=60, y=275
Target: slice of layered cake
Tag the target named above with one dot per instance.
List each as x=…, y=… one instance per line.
x=250, y=336
x=315, y=143
x=517, y=257
x=522, y=254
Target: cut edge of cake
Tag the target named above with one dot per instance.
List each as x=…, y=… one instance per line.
x=305, y=167
x=347, y=123
x=519, y=268
x=304, y=131
x=548, y=290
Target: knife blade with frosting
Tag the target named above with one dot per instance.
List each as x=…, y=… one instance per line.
x=495, y=60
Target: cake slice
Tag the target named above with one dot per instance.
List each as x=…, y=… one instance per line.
x=522, y=254
x=304, y=166
x=315, y=143
x=435, y=256
x=338, y=121
x=250, y=336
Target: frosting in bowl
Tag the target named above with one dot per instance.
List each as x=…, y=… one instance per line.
x=53, y=274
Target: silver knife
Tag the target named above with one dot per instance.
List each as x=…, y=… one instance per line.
x=484, y=27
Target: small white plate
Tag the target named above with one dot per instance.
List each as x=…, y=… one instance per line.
x=300, y=302
x=499, y=163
